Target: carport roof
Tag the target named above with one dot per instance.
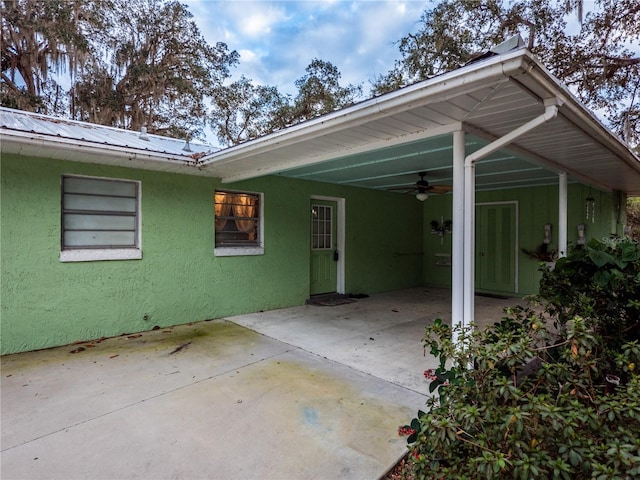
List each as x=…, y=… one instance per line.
x=382, y=142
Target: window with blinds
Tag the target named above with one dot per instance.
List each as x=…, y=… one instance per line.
x=100, y=213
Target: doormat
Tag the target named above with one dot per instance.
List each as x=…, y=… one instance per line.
x=330, y=300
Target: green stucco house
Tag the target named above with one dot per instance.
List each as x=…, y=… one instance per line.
x=106, y=231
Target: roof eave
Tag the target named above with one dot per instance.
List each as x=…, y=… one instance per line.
x=576, y=113
x=16, y=142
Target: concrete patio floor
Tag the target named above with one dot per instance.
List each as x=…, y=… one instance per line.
x=308, y=392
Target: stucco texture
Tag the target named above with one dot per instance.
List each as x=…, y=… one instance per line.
x=47, y=303
x=388, y=246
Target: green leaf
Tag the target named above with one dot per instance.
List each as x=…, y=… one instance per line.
x=601, y=278
x=415, y=424
x=435, y=384
x=574, y=458
x=630, y=253
x=600, y=258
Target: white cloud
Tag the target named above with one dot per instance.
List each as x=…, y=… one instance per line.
x=255, y=25
x=249, y=56
x=259, y=19
x=278, y=39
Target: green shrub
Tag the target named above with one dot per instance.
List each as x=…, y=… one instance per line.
x=547, y=392
x=600, y=282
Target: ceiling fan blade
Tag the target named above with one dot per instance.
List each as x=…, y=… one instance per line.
x=440, y=188
x=399, y=189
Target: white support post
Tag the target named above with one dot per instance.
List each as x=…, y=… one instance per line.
x=457, y=234
x=464, y=213
x=550, y=112
x=562, y=214
x=469, y=241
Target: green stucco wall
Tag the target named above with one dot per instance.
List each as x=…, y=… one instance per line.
x=536, y=206
x=46, y=303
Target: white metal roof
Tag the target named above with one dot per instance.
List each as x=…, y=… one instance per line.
x=382, y=142
x=50, y=137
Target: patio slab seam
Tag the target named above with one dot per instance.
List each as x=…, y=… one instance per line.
x=340, y=363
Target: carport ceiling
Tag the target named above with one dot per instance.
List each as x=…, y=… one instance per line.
x=395, y=167
x=384, y=142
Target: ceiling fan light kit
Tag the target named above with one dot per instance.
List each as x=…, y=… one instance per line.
x=422, y=196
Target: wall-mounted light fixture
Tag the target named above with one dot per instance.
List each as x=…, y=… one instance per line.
x=547, y=233
x=581, y=237
x=441, y=227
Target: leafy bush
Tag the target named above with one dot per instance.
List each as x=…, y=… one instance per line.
x=548, y=392
x=601, y=283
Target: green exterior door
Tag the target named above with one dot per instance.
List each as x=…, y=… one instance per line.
x=324, y=254
x=495, y=247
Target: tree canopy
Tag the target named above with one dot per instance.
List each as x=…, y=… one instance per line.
x=153, y=69
x=145, y=62
x=131, y=62
x=39, y=38
x=243, y=111
x=598, y=61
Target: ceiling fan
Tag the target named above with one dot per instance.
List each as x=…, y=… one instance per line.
x=423, y=188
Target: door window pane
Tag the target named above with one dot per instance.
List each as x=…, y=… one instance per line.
x=321, y=227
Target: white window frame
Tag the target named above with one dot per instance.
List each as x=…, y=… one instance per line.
x=257, y=249
x=101, y=254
